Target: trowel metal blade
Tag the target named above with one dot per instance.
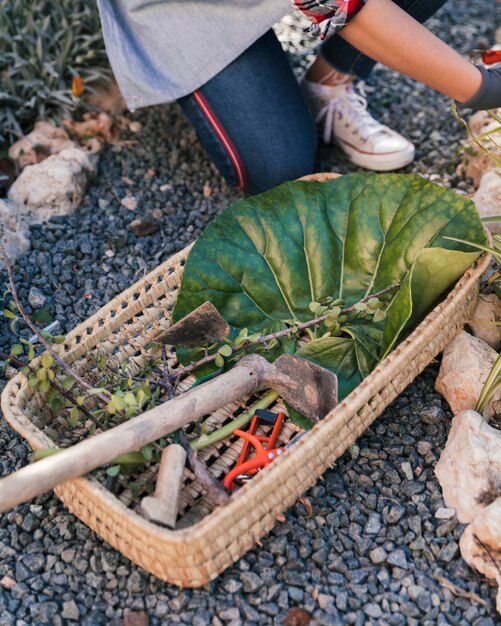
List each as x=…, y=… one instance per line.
x=203, y=325
x=317, y=390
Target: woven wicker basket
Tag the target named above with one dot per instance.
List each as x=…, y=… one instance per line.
x=209, y=540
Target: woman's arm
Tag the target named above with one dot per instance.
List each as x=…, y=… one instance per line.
x=384, y=32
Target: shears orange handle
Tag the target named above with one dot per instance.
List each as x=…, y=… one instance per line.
x=489, y=57
x=261, y=459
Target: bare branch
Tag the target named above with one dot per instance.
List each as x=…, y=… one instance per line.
x=214, y=488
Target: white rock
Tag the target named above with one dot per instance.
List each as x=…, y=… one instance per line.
x=13, y=231
x=36, y=298
x=466, y=363
x=407, y=470
x=44, y=140
x=481, y=544
x=487, y=199
x=475, y=162
x=486, y=319
x=53, y=187
x=443, y=513
x=470, y=465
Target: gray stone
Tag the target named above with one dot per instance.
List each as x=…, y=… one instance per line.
x=34, y=562
x=296, y=594
x=232, y=585
x=432, y=415
x=251, y=582
x=325, y=601
x=397, y=558
x=378, y=555
x=448, y=552
x=373, y=525
x=395, y=514
x=230, y=614
x=135, y=583
x=14, y=231
x=70, y=610
x=36, y=298
x=373, y=610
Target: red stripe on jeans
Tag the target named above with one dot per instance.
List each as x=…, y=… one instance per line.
x=235, y=159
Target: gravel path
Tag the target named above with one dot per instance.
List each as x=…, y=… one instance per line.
x=371, y=551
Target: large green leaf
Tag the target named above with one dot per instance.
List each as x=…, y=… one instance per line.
x=264, y=259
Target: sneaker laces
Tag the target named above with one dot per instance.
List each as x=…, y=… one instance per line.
x=352, y=106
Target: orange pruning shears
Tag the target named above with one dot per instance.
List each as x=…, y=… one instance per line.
x=489, y=57
x=245, y=466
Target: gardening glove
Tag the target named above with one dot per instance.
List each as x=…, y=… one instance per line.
x=331, y=14
x=488, y=95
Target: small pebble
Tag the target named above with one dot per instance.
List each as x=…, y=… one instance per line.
x=445, y=513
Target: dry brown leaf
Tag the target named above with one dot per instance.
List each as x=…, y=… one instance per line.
x=143, y=228
x=107, y=97
x=297, y=617
x=93, y=125
x=307, y=505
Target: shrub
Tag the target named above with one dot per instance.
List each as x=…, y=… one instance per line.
x=45, y=44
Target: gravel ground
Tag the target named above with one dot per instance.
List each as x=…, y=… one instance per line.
x=371, y=550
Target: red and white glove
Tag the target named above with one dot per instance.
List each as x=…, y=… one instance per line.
x=328, y=16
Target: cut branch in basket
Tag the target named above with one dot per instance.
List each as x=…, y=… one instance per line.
x=63, y=392
x=296, y=329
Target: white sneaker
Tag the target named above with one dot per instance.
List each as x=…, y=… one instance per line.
x=343, y=113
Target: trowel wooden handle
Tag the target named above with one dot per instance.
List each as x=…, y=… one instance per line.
x=37, y=478
x=163, y=507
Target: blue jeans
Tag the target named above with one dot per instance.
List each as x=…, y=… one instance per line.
x=252, y=118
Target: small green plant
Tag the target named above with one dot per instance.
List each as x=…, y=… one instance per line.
x=484, y=142
x=45, y=45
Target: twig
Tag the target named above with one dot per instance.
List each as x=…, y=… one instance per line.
x=488, y=552
x=37, y=332
x=214, y=488
x=460, y=593
x=264, y=339
x=166, y=376
x=475, y=140
x=66, y=394
x=138, y=379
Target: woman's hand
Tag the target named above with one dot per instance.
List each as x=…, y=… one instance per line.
x=488, y=95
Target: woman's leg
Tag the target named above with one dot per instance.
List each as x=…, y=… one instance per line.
x=343, y=113
x=343, y=57
x=253, y=121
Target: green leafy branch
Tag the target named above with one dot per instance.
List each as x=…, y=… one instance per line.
x=328, y=312
x=479, y=141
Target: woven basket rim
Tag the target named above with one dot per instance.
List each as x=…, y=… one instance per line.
x=362, y=394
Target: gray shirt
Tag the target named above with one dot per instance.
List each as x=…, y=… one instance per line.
x=161, y=50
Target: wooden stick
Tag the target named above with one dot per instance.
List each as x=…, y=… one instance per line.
x=163, y=507
x=252, y=374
